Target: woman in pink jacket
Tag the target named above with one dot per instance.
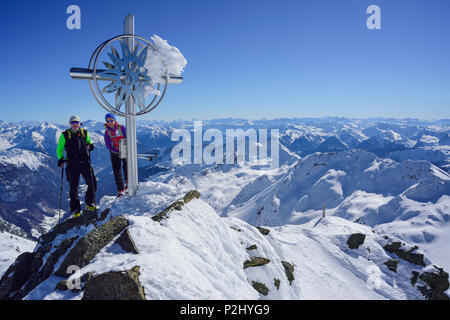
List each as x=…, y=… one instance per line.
x=113, y=134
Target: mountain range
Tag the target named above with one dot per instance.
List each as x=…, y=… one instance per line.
x=389, y=176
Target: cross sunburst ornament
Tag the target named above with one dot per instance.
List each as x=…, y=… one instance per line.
x=127, y=74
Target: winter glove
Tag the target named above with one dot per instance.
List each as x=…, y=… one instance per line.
x=90, y=147
x=60, y=162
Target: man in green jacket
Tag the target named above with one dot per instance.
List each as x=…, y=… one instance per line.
x=77, y=143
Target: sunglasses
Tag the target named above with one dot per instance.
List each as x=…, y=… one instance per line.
x=112, y=120
x=74, y=122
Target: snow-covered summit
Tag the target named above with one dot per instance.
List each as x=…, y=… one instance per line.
x=187, y=251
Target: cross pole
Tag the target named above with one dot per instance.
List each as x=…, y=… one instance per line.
x=132, y=166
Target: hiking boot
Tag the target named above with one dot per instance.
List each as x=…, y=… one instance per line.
x=121, y=193
x=91, y=207
x=76, y=214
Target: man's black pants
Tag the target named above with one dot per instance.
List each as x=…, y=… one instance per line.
x=73, y=172
x=118, y=166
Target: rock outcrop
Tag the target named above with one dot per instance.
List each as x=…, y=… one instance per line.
x=392, y=264
x=356, y=240
x=126, y=242
x=276, y=283
x=32, y=268
x=16, y=276
x=177, y=205
x=260, y=287
x=69, y=224
x=91, y=244
x=289, y=271
x=263, y=231
x=436, y=284
x=115, y=285
x=408, y=255
x=255, y=262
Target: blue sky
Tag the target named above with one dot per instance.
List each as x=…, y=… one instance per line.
x=246, y=58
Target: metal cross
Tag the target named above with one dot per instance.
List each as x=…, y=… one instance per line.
x=128, y=79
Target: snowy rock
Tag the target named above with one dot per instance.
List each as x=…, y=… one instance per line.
x=69, y=224
x=91, y=244
x=356, y=240
x=16, y=276
x=436, y=284
x=263, y=231
x=260, y=287
x=118, y=285
x=126, y=242
x=289, y=270
x=255, y=262
x=408, y=255
x=38, y=269
x=177, y=205
x=392, y=264
x=277, y=282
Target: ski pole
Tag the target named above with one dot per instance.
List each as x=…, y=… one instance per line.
x=60, y=193
x=91, y=171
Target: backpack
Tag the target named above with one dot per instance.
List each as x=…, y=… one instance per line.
x=72, y=151
x=115, y=138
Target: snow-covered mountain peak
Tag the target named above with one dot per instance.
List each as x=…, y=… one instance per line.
x=326, y=180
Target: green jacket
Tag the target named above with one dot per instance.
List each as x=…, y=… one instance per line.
x=62, y=141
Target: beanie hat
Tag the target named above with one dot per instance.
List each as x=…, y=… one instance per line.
x=110, y=115
x=74, y=118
